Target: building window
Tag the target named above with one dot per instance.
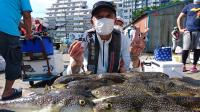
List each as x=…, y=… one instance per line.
x=125, y=11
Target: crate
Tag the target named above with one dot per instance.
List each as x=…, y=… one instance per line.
x=38, y=67
x=163, y=54
x=34, y=45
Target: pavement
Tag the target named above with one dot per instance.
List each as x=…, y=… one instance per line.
x=27, y=90
x=188, y=65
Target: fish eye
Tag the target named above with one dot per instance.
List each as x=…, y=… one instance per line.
x=82, y=102
x=108, y=106
x=66, y=102
x=97, y=92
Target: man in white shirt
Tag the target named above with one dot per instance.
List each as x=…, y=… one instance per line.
x=102, y=49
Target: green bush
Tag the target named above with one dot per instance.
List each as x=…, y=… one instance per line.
x=137, y=13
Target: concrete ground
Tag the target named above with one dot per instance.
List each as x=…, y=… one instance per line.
x=189, y=65
x=28, y=91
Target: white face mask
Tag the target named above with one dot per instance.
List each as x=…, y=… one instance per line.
x=195, y=1
x=104, y=26
x=118, y=27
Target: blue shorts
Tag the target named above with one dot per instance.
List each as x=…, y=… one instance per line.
x=10, y=49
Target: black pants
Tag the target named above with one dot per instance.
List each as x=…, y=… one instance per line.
x=10, y=50
x=191, y=40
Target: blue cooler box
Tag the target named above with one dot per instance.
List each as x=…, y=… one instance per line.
x=35, y=45
x=163, y=54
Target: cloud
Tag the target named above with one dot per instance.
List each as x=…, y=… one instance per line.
x=39, y=6
x=92, y=2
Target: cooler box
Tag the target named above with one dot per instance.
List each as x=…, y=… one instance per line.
x=38, y=67
x=34, y=45
x=2, y=64
x=171, y=68
x=163, y=54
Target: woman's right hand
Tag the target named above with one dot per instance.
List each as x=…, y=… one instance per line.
x=76, y=51
x=29, y=36
x=182, y=30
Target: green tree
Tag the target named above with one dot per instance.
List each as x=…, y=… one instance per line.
x=137, y=13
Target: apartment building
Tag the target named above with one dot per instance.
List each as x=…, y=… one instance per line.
x=71, y=16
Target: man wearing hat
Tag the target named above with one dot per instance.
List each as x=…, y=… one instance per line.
x=119, y=23
x=191, y=33
x=40, y=28
x=102, y=48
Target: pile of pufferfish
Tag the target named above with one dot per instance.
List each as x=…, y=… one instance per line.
x=113, y=92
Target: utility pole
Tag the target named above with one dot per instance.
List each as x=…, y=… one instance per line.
x=132, y=10
x=65, y=20
x=65, y=23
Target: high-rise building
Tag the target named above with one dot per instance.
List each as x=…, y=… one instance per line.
x=119, y=7
x=72, y=16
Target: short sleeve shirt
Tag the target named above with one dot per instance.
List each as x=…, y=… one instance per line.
x=11, y=13
x=193, y=18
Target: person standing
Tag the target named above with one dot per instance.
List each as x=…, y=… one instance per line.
x=11, y=12
x=191, y=33
x=175, y=38
x=119, y=24
x=40, y=29
x=131, y=32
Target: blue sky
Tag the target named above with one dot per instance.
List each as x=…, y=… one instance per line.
x=39, y=6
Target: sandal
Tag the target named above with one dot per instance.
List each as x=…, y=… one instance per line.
x=16, y=94
x=184, y=69
x=194, y=69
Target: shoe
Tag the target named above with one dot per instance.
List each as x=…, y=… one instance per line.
x=194, y=69
x=16, y=94
x=184, y=69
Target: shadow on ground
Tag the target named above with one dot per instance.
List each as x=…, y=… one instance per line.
x=42, y=84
